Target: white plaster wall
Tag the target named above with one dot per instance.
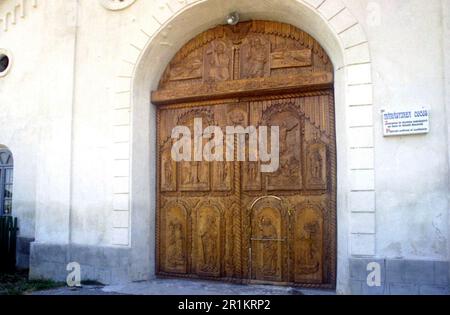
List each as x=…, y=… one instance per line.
x=412, y=182
x=21, y=116
x=446, y=49
x=98, y=40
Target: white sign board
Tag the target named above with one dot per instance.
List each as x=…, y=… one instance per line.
x=409, y=122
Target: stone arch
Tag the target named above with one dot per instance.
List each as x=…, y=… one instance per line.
x=151, y=48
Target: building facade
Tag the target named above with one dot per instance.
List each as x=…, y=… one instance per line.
x=88, y=88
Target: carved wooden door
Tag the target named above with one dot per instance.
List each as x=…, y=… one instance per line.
x=226, y=219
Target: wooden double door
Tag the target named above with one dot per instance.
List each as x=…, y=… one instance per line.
x=227, y=220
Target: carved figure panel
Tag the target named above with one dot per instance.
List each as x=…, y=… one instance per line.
x=316, y=166
x=255, y=58
x=175, y=239
x=223, y=171
x=218, y=65
x=168, y=169
x=289, y=174
x=195, y=175
x=308, y=245
x=222, y=176
x=189, y=68
x=268, y=242
x=208, y=241
x=251, y=176
x=291, y=59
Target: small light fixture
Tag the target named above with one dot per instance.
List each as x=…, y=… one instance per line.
x=233, y=18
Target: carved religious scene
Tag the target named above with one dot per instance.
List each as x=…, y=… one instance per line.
x=255, y=55
x=251, y=55
x=192, y=69
x=221, y=213
x=291, y=59
x=218, y=62
x=287, y=118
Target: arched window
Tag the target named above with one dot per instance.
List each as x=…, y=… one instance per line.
x=6, y=181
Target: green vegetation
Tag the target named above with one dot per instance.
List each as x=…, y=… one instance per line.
x=17, y=283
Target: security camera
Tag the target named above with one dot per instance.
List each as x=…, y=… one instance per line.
x=233, y=18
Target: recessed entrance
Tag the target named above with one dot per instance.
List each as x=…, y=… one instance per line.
x=227, y=220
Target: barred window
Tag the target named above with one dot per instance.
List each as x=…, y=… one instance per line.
x=6, y=181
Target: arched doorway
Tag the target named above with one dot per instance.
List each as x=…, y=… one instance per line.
x=227, y=220
x=6, y=181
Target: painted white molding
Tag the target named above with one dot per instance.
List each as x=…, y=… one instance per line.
x=17, y=10
x=115, y=5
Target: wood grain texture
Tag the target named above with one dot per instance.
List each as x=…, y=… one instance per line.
x=227, y=220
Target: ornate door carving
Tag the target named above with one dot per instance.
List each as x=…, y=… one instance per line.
x=208, y=224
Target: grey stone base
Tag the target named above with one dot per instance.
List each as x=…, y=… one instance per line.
x=107, y=265
x=23, y=252
x=401, y=277
x=111, y=265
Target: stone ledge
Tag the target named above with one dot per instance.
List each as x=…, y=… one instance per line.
x=23, y=252
x=108, y=265
x=401, y=277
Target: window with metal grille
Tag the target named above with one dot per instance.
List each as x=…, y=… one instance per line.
x=6, y=181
